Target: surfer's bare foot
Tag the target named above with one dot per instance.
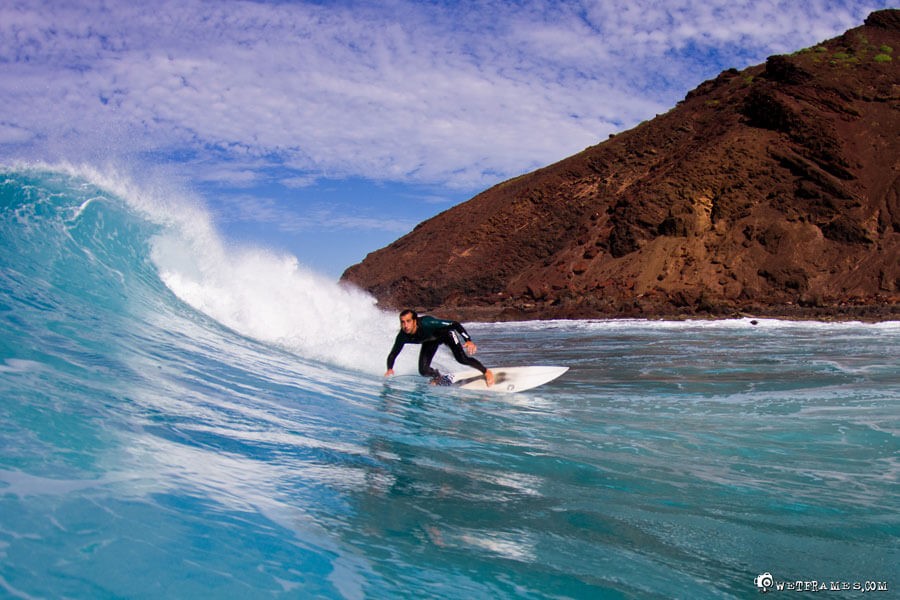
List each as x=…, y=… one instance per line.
x=489, y=377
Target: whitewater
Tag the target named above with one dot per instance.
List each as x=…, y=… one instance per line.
x=185, y=417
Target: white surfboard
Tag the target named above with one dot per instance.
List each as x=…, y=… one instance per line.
x=507, y=379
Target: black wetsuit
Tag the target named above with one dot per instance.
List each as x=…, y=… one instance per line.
x=431, y=333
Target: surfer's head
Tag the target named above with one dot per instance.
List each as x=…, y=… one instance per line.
x=409, y=321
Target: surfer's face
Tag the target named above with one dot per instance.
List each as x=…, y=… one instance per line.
x=408, y=324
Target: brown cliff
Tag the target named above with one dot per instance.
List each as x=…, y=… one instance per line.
x=773, y=191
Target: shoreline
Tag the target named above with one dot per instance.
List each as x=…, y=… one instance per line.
x=501, y=314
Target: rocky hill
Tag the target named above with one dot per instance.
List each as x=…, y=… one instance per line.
x=771, y=191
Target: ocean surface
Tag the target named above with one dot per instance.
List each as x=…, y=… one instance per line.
x=183, y=417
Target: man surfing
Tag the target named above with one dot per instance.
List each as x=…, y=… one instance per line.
x=431, y=333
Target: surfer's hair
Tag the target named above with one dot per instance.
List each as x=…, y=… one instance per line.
x=409, y=311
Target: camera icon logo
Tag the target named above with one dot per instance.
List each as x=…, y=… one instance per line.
x=764, y=582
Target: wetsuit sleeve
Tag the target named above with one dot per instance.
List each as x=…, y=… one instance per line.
x=458, y=328
x=395, y=351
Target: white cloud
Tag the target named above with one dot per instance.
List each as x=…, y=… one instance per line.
x=12, y=134
x=457, y=94
x=302, y=181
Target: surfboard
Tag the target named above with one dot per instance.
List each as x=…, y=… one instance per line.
x=507, y=380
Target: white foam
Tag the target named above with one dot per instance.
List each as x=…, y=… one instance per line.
x=744, y=323
x=273, y=298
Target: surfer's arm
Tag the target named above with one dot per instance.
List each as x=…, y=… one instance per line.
x=392, y=356
x=468, y=344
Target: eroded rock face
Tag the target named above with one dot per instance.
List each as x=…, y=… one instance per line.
x=773, y=190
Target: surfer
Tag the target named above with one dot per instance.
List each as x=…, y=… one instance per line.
x=431, y=333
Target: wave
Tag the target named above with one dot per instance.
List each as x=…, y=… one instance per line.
x=95, y=242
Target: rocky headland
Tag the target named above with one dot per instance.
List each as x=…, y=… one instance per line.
x=772, y=191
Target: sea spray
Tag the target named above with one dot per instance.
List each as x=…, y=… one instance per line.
x=272, y=298
x=264, y=294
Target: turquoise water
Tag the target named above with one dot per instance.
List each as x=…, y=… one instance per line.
x=184, y=418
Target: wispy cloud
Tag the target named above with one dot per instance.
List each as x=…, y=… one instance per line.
x=290, y=219
x=460, y=94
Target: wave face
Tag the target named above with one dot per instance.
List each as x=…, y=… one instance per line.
x=181, y=417
x=106, y=247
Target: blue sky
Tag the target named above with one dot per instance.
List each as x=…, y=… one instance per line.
x=329, y=129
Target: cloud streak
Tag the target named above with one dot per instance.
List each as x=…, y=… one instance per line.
x=318, y=217
x=455, y=94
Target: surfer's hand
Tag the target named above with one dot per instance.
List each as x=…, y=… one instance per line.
x=470, y=347
x=389, y=372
